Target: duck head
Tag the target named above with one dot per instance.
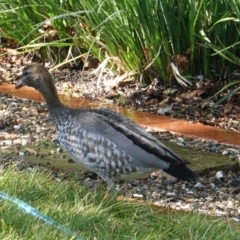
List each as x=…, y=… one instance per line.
x=36, y=76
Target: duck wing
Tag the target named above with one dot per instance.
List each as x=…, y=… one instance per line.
x=145, y=150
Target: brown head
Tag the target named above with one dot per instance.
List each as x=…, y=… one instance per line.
x=38, y=77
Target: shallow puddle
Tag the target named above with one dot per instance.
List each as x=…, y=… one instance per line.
x=48, y=155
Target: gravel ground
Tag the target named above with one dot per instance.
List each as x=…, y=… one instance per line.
x=217, y=192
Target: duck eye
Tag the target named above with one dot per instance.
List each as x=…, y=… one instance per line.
x=24, y=73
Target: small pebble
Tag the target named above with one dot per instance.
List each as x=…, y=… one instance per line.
x=136, y=195
x=171, y=194
x=58, y=179
x=156, y=195
x=25, y=142
x=232, y=150
x=225, y=152
x=198, y=185
x=213, y=149
x=210, y=198
x=236, y=219
x=59, y=150
x=235, y=182
x=21, y=153
x=180, y=144
x=180, y=139
x=219, y=175
x=232, y=157
x=213, y=185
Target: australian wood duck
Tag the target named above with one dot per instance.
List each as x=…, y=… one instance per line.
x=103, y=141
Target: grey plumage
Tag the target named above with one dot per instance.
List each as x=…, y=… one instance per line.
x=102, y=140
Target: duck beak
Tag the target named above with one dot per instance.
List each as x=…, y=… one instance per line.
x=19, y=84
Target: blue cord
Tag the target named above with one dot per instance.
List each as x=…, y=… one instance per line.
x=35, y=213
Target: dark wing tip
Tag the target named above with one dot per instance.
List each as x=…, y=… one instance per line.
x=181, y=171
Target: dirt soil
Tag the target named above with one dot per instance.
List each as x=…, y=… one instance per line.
x=195, y=103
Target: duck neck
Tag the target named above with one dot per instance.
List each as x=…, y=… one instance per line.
x=53, y=101
x=49, y=93
x=58, y=111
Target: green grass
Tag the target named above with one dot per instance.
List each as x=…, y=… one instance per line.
x=138, y=37
x=92, y=216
